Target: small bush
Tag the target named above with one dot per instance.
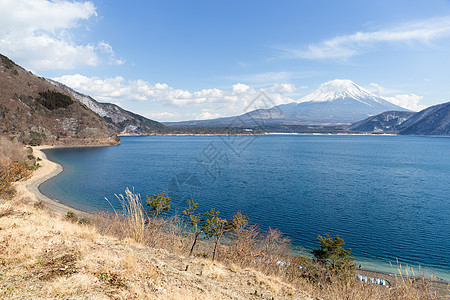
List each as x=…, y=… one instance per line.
x=70, y=215
x=39, y=205
x=203, y=255
x=32, y=138
x=83, y=221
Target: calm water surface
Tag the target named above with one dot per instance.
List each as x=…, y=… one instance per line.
x=387, y=196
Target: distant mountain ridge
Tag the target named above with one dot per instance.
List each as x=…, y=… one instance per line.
x=340, y=101
x=118, y=119
x=434, y=120
x=386, y=122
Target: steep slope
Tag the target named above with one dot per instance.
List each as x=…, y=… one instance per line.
x=36, y=111
x=118, y=119
x=387, y=122
x=434, y=120
x=339, y=101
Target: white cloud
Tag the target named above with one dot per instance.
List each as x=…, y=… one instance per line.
x=240, y=88
x=160, y=115
x=346, y=46
x=107, y=49
x=409, y=101
x=377, y=89
x=179, y=104
x=36, y=33
x=282, y=88
x=205, y=115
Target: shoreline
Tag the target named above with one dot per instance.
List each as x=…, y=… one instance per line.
x=255, y=133
x=49, y=169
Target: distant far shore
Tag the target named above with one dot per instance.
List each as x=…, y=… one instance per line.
x=254, y=133
x=263, y=133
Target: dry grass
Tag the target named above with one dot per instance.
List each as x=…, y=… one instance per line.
x=11, y=172
x=47, y=256
x=11, y=150
x=16, y=163
x=133, y=215
x=250, y=248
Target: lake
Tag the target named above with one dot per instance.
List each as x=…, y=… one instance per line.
x=388, y=197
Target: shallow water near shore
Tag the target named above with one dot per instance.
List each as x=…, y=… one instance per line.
x=387, y=196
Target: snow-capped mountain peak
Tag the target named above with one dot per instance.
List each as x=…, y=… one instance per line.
x=339, y=89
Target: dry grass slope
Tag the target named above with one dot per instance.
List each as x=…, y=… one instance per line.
x=43, y=255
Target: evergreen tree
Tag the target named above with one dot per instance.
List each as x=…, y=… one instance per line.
x=195, y=221
x=160, y=204
x=333, y=254
x=214, y=227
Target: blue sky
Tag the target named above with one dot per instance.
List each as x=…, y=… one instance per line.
x=180, y=60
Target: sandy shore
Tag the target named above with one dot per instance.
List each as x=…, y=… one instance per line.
x=30, y=187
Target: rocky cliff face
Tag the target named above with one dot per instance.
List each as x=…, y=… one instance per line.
x=37, y=112
x=118, y=119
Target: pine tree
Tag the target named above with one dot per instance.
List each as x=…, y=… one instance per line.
x=333, y=254
x=160, y=204
x=195, y=221
x=214, y=227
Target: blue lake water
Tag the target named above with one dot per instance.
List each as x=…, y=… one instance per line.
x=387, y=196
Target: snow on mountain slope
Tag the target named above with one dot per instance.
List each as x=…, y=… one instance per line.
x=119, y=119
x=340, y=89
x=337, y=102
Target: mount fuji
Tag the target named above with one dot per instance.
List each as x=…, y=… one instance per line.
x=337, y=102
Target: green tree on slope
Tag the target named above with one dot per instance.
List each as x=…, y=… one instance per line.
x=333, y=254
x=214, y=227
x=195, y=221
